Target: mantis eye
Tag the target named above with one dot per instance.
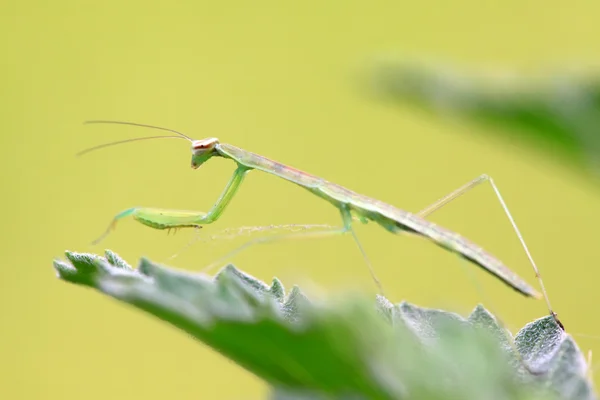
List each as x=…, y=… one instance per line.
x=204, y=144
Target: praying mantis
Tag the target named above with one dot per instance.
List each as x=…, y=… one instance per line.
x=351, y=206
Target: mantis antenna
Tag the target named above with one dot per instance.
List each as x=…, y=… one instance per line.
x=178, y=135
x=141, y=125
x=101, y=146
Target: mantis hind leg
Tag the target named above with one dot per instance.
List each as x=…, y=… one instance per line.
x=466, y=188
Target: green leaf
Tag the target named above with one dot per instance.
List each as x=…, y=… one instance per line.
x=560, y=113
x=349, y=347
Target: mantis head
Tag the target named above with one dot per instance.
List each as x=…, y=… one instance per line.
x=202, y=150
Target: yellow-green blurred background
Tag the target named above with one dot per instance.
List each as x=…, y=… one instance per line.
x=281, y=80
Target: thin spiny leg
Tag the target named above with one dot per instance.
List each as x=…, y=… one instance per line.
x=347, y=218
x=453, y=195
x=457, y=193
x=253, y=242
x=472, y=184
x=529, y=256
x=233, y=232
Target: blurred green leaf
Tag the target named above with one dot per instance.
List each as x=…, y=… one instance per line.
x=560, y=113
x=347, y=348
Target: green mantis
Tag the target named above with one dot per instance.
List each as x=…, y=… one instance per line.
x=351, y=206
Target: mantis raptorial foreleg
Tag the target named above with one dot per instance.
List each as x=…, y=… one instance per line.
x=174, y=219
